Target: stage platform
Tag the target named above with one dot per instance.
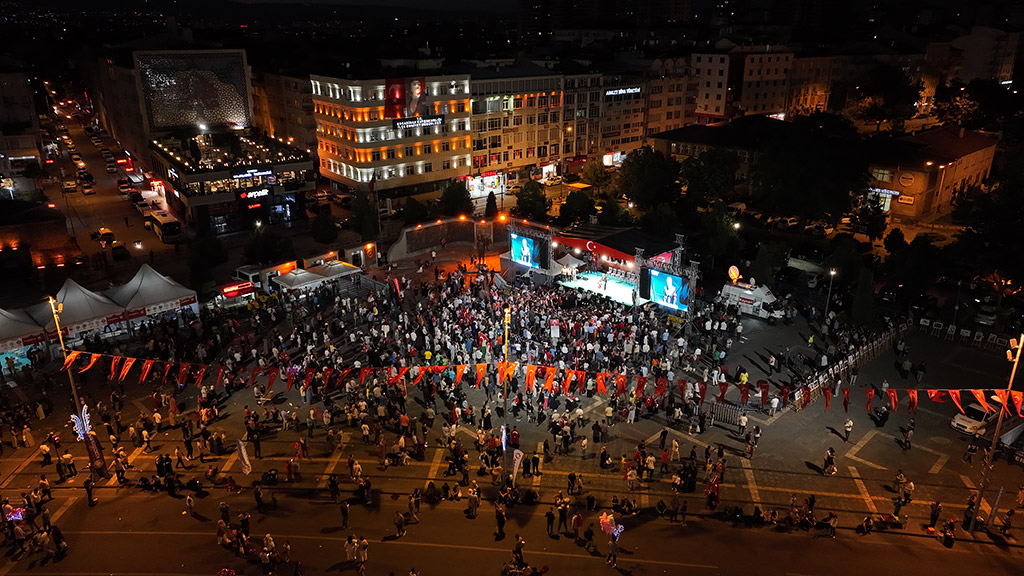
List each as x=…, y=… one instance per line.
x=618, y=290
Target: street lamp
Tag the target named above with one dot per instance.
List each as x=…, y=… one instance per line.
x=986, y=464
x=828, y=299
x=56, y=308
x=735, y=225
x=956, y=306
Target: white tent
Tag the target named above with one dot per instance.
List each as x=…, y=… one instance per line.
x=333, y=269
x=150, y=292
x=83, y=310
x=298, y=278
x=569, y=261
x=17, y=329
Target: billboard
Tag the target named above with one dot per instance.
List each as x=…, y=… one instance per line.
x=194, y=88
x=524, y=251
x=665, y=289
x=406, y=98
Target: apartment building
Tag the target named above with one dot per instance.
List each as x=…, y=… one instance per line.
x=809, y=85
x=670, y=95
x=733, y=80
x=401, y=133
x=282, y=106
x=623, y=111
x=581, y=113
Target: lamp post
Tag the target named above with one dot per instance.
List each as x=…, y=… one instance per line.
x=504, y=394
x=56, y=308
x=956, y=305
x=986, y=464
x=828, y=299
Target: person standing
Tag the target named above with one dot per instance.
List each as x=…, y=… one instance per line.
x=89, y=485
x=741, y=426
x=908, y=437
x=613, y=552
x=847, y=428
x=257, y=494
x=499, y=519
x=935, y=512
x=399, y=525
x=549, y=521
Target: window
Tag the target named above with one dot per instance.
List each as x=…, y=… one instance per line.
x=531, y=101
x=462, y=106
x=409, y=151
x=445, y=146
x=518, y=103
x=428, y=167
x=375, y=156
x=392, y=154
x=517, y=121
x=881, y=174
x=446, y=164
x=542, y=101
x=409, y=171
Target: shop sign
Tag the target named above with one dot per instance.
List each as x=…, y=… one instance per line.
x=417, y=122
x=253, y=173
x=909, y=200
x=251, y=194
x=622, y=91
x=883, y=191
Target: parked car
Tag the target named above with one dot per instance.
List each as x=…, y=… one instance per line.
x=111, y=168
x=77, y=159
x=144, y=207
x=104, y=236
x=515, y=189
x=119, y=252
x=135, y=197
x=87, y=189
x=125, y=188
x=553, y=181
x=986, y=315
x=974, y=421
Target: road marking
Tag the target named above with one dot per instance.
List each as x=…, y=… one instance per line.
x=867, y=463
x=540, y=464
x=131, y=459
x=852, y=452
x=435, y=465
x=230, y=462
x=330, y=468
x=748, y=471
x=63, y=508
x=863, y=489
x=939, y=464
x=18, y=470
x=970, y=484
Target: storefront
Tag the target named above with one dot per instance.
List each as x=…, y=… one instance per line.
x=614, y=158
x=486, y=183
x=884, y=197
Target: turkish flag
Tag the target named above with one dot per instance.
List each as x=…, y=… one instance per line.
x=871, y=396
x=805, y=396
x=481, y=369
x=220, y=376
x=344, y=374
x=846, y=399
x=893, y=399
x=935, y=395
x=253, y=374
x=397, y=377
x=702, y=389
x=1004, y=399
x=199, y=376
x=912, y=405
x=955, y=396
x=1018, y=399
x=291, y=379
x=620, y=384
x=785, y=396
x=94, y=358
x=183, y=371
x=128, y=362
x=531, y=376
x=744, y=393
x=568, y=379
x=419, y=375
x=549, y=379
x=581, y=377
x=363, y=373
x=272, y=379
x=723, y=387
x=327, y=375
x=828, y=398
x=661, y=384
x=980, y=395
x=113, y=366
x=146, y=366
x=70, y=359
x=601, y=382
x=167, y=370
x=501, y=372
x=682, y=387
x=641, y=385
x=310, y=372
x=764, y=386
x=460, y=369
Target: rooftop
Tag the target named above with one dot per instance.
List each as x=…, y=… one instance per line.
x=951, y=142
x=746, y=132
x=211, y=152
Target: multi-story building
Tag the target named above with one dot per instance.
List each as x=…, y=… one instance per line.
x=400, y=133
x=517, y=122
x=581, y=116
x=282, y=106
x=670, y=101
x=623, y=108
x=734, y=80
x=810, y=84
x=983, y=53
x=233, y=181
x=19, y=123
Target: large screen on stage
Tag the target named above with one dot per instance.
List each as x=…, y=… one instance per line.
x=525, y=251
x=666, y=289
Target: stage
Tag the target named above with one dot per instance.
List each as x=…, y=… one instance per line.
x=618, y=290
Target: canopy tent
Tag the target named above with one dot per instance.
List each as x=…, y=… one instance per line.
x=569, y=261
x=334, y=269
x=17, y=329
x=83, y=310
x=298, y=278
x=150, y=292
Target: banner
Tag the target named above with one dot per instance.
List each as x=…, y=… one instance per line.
x=600, y=383
x=955, y=396
x=764, y=386
x=744, y=393
x=113, y=366
x=568, y=380
x=785, y=396
x=291, y=380
x=243, y=457
x=125, y=368
x=344, y=374
x=1004, y=399
x=363, y=373
x=549, y=379
x=702, y=388
x=167, y=370
x=912, y=405
x=273, y=377
x=201, y=374
x=327, y=375
x=460, y=369
x=531, y=376
x=980, y=395
x=936, y=395
x=723, y=387
x=659, y=388
x=517, y=459
x=893, y=399
x=146, y=367
x=846, y=399
x=1018, y=399
x=828, y=399
x=70, y=359
x=183, y=372
x=871, y=396
x=220, y=377
x=310, y=372
x=92, y=360
x=805, y=396
x=481, y=370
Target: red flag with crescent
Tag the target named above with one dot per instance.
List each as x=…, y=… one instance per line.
x=805, y=396
x=183, y=371
x=936, y=396
x=846, y=399
x=460, y=369
x=128, y=362
x=549, y=379
x=146, y=367
x=419, y=375
x=1004, y=399
x=641, y=384
x=1018, y=399
x=871, y=396
x=481, y=369
x=620, y=384
x=308, y=379
x=702, y=389
x=273, y=377
x=828, y=398
x=785, y=395
x=600, y=383
x=220, y=377
x=764, y=386
x=92, y=360
x=569, y=374
x=397, y=377
x=723, y=387
x=682, y=387
x=341, y=377
x=113, y=366
x=200, y=375
x=893, y=398
x=955, y=396
x=327, y=375
x=980, y=395
x=363, y=373
x=70, y=359
x=291, y=380
x=661, y=384
x=167, y=371
x=253, y=374
x=912, y=402
x=531, y=376
x=744, y=392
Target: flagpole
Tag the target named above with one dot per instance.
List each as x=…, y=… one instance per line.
x=60, y=337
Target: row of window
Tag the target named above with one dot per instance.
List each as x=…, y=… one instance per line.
x=505, y=156
x=391, y=153
x=386, y=172
x=384, y=133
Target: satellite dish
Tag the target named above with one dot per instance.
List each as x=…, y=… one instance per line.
x=751, y=281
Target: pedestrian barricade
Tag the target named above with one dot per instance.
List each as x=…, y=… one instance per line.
x=924, y=324
x=951, y=333
x=965, y=335
x=937, y=329
x=991, y=342
x=726, y=413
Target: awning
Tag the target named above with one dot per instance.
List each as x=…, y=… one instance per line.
x=333, y=269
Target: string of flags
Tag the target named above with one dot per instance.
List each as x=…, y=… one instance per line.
x=535, y=375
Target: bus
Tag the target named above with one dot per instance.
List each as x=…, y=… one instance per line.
x=165, y=226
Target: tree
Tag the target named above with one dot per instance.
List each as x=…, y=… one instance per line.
x=717, y=232
x=323, y=228
x=991, y=236
x=895, y=241
x=491, y=209
x=205, y=252
x=812, y=166
x=455, y=200
x=862, y=309
x=578, y=207
x=596, y=174
x=265, y=247
x=886, y=94
x=612, y=214
x=661, y=222
x=532, y=202
x=846, y=255
x=710, y=176
x=365, y=216
x=770, y=258
x=415, y=211
x=648, y=178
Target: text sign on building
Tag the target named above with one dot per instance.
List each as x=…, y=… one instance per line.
x=418, y=122
x=883, y=191
x=262, y=193
x=253, y=173
x=622, y=91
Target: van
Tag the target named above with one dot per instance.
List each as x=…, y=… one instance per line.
x=974, y=420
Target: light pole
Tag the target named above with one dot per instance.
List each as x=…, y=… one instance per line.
x=956, y=305
x=504, y=394
x=56, y=308
x=828, y=299
x=986, y=464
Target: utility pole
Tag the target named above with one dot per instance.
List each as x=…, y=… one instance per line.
x=56, y=308
x=504, y=394
x=986, y=464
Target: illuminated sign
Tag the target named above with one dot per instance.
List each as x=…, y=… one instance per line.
x=254, y=206
x=418, y=122
x=261, y=193
x=253, y=173
x=883, y=191
x=172, y=173
x=236, y=289
x=622, y=91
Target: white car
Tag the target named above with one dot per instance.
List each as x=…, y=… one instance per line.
x=144, y=207
x=974, y=420
x=77, y=159
x=986, y=315
x=125, y=188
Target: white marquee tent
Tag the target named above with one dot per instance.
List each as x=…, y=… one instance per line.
x=83, y=310
x=17, y=329
x=150, y=292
